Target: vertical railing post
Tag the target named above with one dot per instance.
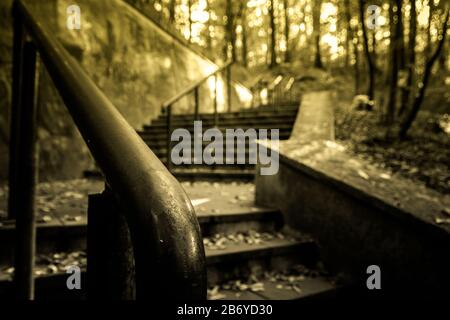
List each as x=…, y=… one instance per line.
x=110, y=268
x=14, y=135
x=169, y=132
x=229, y=87
x=196, y=102
x=23, y=202
x=216, y=115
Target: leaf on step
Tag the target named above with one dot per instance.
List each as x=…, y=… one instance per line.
x=297, y=289
x=363, y=175
x=257, y=287
x=442, y=221
x=45, y=219
x=52, y=268
x=385, y=176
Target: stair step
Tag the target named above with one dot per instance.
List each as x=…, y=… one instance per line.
x=247, y=113
x=310, y=288
x=56, y=236
x=273, y=121
x=213, y=174
x=162, y=143
x=244, y=251
x=259, y=219
x=190, y=126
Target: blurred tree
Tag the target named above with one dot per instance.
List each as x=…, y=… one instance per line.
x=369, y=58
x=172, y=6
x=287, y=25
x=411, y=57
x=317, y=6
x=190, y=19
x=431, y=7
x=242, y=15
x=273, y=34
x=423, y=84
x=395, y=17
x=230, y=32
x=350, y=38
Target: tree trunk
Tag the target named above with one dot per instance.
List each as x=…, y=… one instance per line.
x=243, y=12
x=430, y=22
x=350, y=37
x=190, y=19
x=369, y=59
x=356, y=66
x=395, y=36
x=348, y=34
x=411, y=58
x=287, y=55
x=411, y=116
x=273, y=35
x=316, y=33
x=172, y=5
x=208, y=26
x=230, y=31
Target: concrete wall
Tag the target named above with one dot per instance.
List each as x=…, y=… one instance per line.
x=356, y=229
x=136, y=64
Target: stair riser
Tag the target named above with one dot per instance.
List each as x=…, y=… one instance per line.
x=239, y=115
x=209, y=229
x=241, y=267
x=49, y=240
x=232, y=175
x=155, y=143
x=230, y=123
x=190, y=126
x=49, y=288
x=159, y=140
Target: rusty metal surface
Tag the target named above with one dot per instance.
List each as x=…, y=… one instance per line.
x=168, y=249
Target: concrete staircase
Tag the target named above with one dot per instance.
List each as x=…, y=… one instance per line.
x=267, y=117
x=250, y=255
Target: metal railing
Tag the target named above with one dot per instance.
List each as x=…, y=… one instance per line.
x=195, y=90
x=167, y=252
x=278, y=92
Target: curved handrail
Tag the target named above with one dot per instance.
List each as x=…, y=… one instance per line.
x=165, y=233
x=191, y=88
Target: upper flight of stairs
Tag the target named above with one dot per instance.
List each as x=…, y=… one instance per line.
x=268, y=117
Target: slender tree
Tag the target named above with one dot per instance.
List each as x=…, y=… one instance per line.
x=395, y=38
x=208, y=26
x=369, y=58
x=348, y=33
x=273, y=34
x=287, y=26
x=351, y=39
x=316, y=33
x=172, y=6
x=190, y=19
x=431, y=8
x=230, y=31
x=243, y=19
x=417, y=103
x=411, y=57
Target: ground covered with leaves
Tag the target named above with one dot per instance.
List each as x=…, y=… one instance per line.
x=423, y=157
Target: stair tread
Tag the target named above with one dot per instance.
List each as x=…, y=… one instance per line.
x=243, y=213
x=273, y=247
x=309, y=287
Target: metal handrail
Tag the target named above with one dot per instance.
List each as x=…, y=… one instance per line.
x=197, y=84
x=167, y=245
